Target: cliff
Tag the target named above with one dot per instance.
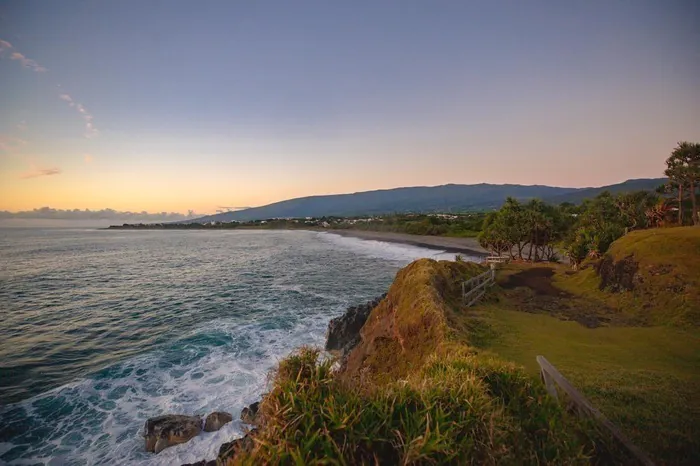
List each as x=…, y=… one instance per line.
x=410, y=392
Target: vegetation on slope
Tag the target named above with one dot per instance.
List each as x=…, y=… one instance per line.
x=650, y=274
x=643, y=378
x=422, y=199
x=413, y=393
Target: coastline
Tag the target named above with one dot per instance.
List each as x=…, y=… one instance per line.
x=469, y=246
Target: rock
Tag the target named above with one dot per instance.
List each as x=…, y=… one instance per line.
x=216, y=421
x=344, y=331
x=164, y=431
x=230, y=449
x=201, y=463
x=618, y=276
x=249, y=414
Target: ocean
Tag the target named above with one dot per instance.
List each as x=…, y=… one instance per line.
x=100, y=330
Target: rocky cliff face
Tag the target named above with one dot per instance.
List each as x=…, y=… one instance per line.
x=344, y=331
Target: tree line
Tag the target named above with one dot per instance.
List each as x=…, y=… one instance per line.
x=535, y=231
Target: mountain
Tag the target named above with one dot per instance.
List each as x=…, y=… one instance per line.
x=644, y=184
x=446, y=198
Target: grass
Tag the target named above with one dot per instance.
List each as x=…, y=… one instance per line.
x=645, y=379
x=428, y=383
x=459, y=409
x=666, y=283
x=412, y=392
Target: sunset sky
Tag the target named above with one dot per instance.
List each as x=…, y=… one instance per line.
x=174, y=105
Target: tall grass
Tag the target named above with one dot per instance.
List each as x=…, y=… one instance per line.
x=456, y=410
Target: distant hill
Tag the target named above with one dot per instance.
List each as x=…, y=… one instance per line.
x=446, y=198
x=644, y=184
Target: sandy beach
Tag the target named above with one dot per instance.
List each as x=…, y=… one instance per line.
x=469, y=246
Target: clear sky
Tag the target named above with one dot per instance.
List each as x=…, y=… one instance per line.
x=177, y=105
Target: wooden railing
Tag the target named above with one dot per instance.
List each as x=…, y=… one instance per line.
x=553, y=379
x=475, y=288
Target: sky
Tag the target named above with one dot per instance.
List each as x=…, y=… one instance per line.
x=171, y=106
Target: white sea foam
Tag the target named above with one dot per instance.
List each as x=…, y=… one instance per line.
x=227, y=378
x=274, y=293
x=403, y=253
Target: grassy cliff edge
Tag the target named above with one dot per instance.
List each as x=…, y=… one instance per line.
x=412, y=392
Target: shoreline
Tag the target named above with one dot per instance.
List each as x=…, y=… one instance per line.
x=468, y=246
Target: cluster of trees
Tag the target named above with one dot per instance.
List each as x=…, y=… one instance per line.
x=525, y=231
x=458, y=225
x=533, y=231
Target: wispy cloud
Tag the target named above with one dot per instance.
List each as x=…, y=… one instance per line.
x=41, y=172
x=87, y=158
x=26, y=62
x=90, y=130
x=22, y=126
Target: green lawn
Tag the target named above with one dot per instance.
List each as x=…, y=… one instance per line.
x=646, y=380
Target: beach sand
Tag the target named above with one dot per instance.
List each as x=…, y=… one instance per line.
x=468, y=246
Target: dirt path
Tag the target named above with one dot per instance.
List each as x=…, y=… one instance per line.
x=533, y=290
x=539, y=279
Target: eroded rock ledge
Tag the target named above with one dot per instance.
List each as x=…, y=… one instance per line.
x=344, y=331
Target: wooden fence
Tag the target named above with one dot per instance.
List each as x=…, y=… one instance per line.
x=553, y=379
x=474, y=288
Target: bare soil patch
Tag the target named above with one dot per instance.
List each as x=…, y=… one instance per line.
x=532, y=290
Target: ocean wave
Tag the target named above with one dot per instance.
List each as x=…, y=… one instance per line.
x=403, y=253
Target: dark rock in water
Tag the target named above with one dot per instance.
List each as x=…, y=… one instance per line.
x=230, y=449
x=249, y=414
x=344, y=331
x=164, y=431
x=201, y=463
x=216, y=421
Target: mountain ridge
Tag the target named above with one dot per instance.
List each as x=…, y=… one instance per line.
x=420, y=199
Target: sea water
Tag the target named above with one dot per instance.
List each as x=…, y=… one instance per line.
x=102, y=329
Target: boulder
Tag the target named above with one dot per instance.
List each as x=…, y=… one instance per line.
x=344, y=331
x=216, y=421
x=230, y=449
x=249, y=414
x=164, y=431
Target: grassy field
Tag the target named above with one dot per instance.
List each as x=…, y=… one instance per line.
x=646, y=379
x=431, y=382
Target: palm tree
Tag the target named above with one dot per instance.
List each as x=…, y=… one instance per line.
x=683, y=169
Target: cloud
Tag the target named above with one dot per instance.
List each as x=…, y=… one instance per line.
x=87, y=158
x=90, y=130
x=22, y=125
x=104, y=214
x=27, y=62
x=41, y=172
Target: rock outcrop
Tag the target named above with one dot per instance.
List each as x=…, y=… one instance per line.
x=164, y=431
x=230, y=449
x=249, y=414
x=216, y=421
x=344, y=331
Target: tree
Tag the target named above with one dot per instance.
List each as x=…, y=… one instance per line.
x=683, y=171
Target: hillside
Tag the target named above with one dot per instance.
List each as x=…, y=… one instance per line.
x=411, y=392
x=651, y=275
x=576, y=197
x=446, y=198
